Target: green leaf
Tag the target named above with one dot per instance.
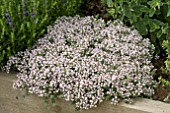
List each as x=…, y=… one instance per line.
x=28, y=25
x=133, y=19
x=23, y=37
x=165, y=28
x=140, y=26
x=53, y=4
x=33, y=35
x=155, y=24
x=104, y=1
x=43, y=20
x=168, y=35
x=2, y=55
x=111, y=11
x=8, y=51
x=152, y=28
x=21, y=29
x=121, y=1
x=109, y=3
x=168, y=13
x=144, y=8
x=150, y=3
x=151, y=12
x=37, y=20
x=12, y=38
x=155, y=3
x=154, y=41
x=1, y=22
x=126, y=9
x=137, y=11
x=3, y=32
x=146, y=19
x=42, y=32
x=159, y=33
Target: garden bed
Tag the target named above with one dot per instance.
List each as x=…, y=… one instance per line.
x=13, y=101
x=85, y=61
x=71, y=63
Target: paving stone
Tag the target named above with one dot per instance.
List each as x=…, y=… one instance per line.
x=13, y=101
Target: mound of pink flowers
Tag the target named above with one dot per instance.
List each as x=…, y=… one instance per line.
x=86, y=60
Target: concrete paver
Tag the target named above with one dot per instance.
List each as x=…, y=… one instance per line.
x=12, y=101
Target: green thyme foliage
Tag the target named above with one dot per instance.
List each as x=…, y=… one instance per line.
x=150, y=17
x=22, y=22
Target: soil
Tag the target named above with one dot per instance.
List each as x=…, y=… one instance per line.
x=94, y=7
x=162, y=91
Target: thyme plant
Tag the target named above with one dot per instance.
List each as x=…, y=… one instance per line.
x=86, y=61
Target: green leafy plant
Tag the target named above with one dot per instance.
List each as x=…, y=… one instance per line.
x=22, y=22
x=166, y=70
x=150, y=17
x=71, y=7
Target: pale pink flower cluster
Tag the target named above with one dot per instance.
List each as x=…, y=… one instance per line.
x=86, y=60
